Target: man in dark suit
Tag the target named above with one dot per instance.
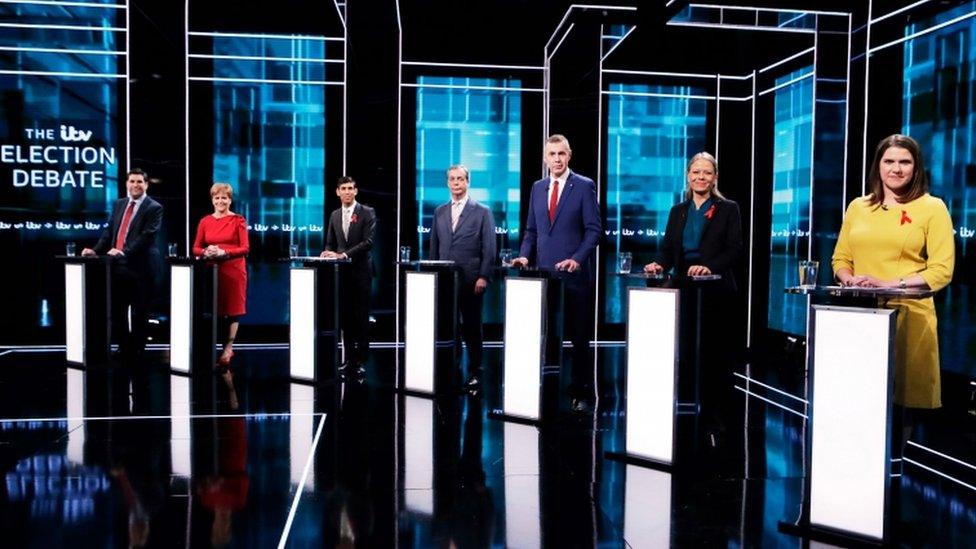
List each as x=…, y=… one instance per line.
x=464, y=232
x=130, y=238
x=562, y=230
x=350, y=235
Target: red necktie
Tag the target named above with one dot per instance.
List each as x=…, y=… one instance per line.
x=124, y=227
x=553, y=199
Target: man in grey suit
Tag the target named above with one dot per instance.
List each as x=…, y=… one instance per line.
x=464, y=232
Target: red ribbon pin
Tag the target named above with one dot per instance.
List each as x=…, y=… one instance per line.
x=905, y=218
x=710, y=212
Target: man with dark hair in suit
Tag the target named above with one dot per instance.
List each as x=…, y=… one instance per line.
x=562, y=231
x=130, y=238
x=350, y=235
x=464, y=232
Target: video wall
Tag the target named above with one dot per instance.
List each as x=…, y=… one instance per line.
x=790, y=216
x=939, y=112
x=651, y=133
x=62, y=98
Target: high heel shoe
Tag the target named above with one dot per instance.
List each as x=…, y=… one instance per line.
x=225, y=358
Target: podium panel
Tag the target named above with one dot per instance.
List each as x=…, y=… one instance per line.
x=652, y=363
x=74, y=312
x=87, y=309
x=181, y=317
x=525, y=313
x=302, y=355
x=193, y=315
x=420, y=331
x=851, y=355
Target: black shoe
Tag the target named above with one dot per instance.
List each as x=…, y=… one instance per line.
x=581, y=406
x=473, y=384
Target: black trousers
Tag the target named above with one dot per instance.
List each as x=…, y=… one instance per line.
x=471, y=306
x=576, y=324
x=130, y=289
x=354, y=297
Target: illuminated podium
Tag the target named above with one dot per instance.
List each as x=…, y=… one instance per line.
x=532, y=339
x=850, y=360
x=314, y=319
x=87, y=309
x=193, y=314
x=429, y=323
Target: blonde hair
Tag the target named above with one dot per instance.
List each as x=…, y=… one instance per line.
x=702, y=156
x=218, y=188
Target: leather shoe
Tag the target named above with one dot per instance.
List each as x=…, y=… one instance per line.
x=472, y=384
x=581, y=406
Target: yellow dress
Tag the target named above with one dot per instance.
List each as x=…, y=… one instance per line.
x=906, y=239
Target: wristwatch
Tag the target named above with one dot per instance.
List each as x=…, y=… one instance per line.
x=902, y=284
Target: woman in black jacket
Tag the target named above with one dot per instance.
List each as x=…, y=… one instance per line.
x=704, y=237
x=704, y=233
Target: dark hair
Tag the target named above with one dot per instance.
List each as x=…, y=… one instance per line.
x=919, y=184
x=345, y=179
x=138, y=171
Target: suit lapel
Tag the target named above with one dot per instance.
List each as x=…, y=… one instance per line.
x=466, y=212
x=337, y=227
x=708, y=220
x=563, y=198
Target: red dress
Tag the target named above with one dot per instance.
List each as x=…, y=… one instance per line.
x=229, y=233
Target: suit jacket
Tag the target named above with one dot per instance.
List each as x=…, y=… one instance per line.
x=141, y=254
x=721, y=240
x=360, y=240
x=574, y=233
x=471, y=246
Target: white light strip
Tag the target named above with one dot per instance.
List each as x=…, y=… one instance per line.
x=940, y=473
x=811, y=49
x=342, y=17
x=66, y=4
x=787, y=83
x=186, y=120
x=752, y=215
x=473, y=66
x=451, y=86
x=583, y=7
x=617, y=43
x=940, y=454
x=560, y=43
x=847, y=121
x=264, y=58
x=784, y=23
x=57, y=73
x=770, y=10
x=300, y=488
x=88, y=28
x=766, y=400
x=900, y=10
x=128, y=94
x=266, y=81
x=60, y=50
x=267, y=36
x=924, y=32
x=740, y=27
x=657, y=73
x=770, y=387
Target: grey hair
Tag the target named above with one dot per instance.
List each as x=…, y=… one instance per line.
x=462, y=167
x=559, y=138
x=703, y=156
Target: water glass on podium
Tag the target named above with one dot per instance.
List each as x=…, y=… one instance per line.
x=808, y=273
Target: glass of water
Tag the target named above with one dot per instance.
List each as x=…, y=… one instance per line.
x=507, y=255
x=624, y=262
x=404, y=254
x=293, y=250
x=808, y=273
x=69, y=249
x=173, y=249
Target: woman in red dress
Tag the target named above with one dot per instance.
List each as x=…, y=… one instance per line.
x=223, y=235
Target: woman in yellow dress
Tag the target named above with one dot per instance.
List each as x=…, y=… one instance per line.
x=899, y=236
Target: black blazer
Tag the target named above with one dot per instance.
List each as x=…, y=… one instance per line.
x=721, y=241
x=360, y=240
x=141, y=254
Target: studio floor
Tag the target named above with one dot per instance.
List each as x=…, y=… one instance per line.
x=132, y=455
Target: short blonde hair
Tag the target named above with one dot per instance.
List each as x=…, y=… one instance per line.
x=218, y=188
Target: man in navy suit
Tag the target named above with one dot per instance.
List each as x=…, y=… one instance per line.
x=130, y=238
x=464, y=232
x=350, y=235
x=562, y=231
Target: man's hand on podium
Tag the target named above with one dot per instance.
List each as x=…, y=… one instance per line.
x=653, y=268
x=520, y=262
x=569, y=265
x=88, y=252
x=114, y=252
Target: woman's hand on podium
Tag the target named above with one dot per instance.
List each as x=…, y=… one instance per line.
x=653, y=268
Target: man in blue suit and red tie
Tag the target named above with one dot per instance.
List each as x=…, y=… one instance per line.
x=464, y=232
x=562, y=231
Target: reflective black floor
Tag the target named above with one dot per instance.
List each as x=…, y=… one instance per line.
x=135, y=456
